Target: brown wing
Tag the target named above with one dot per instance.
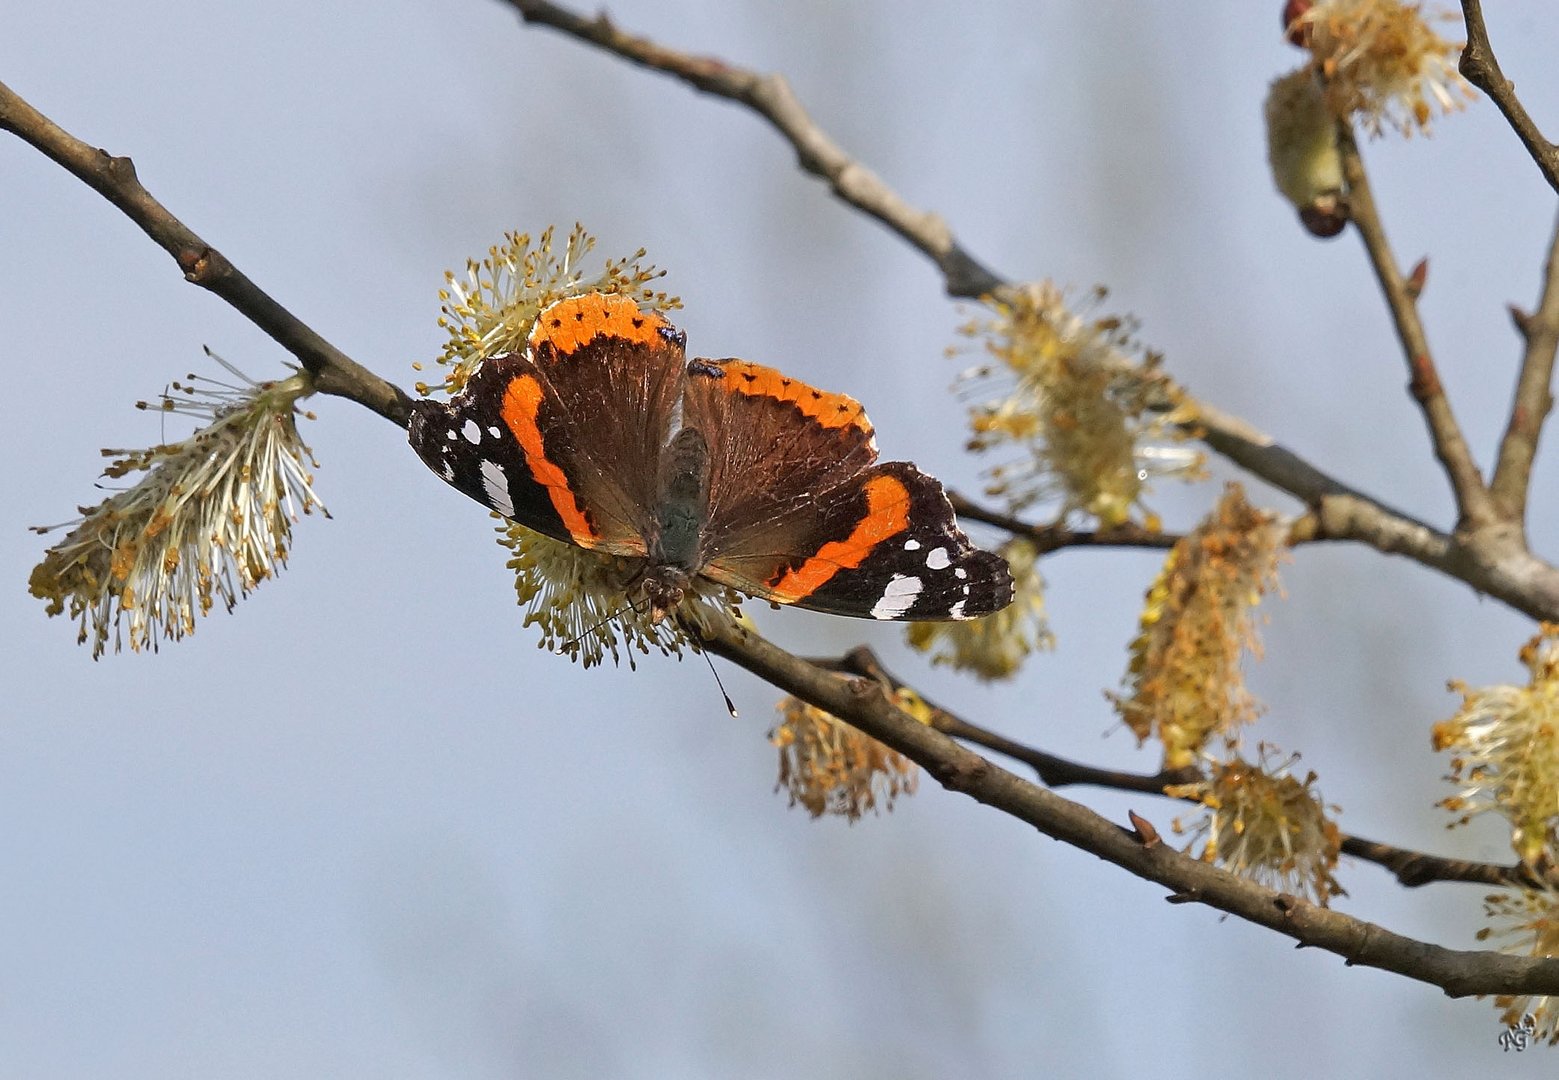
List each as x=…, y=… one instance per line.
x=566, y=440
x=801, y=513
x=612, y=374
x=776, y=447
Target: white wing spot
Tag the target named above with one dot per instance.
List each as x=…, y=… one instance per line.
x=493, y=431
x=957, y=611
x=451, y=435
x=471, y=431
x=909, y=545
x=937, y=559
x=897, y=598
x=446, y=470
x=496, y=484
x=960, y=573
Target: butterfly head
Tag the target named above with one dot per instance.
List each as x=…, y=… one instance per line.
x=665, y=587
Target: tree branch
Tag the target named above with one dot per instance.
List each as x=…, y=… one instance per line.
x=1534, y=395
x=770, y=96
x=1445, y=434
x=114, y=178
x=1415, y=868
x=1049, y=538
x=1499, y=569
x=1494, y=564
x=1052, y=770
x=1480, y=67
x=863, y=704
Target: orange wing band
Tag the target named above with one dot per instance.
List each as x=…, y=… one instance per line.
x=887, y=515
x=571, y=323
x=830, y=410
x=521, y=402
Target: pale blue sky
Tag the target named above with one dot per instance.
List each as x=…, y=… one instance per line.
x=362, y=827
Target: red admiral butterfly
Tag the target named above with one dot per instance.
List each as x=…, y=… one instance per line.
x=603, y=434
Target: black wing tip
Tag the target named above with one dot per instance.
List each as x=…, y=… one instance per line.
x=991, y=587
x=955, y=580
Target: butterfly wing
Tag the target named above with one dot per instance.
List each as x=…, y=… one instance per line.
x=800, y=513
x=775, y=445
x=567, y=439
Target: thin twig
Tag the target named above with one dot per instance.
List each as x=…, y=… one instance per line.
x=863, y=704
x=770, y=96
x=1305, y=529
x=1480, y=67
x=1534, y=395
x=1049, y=538
x=1052, y=770
x=1415, y=868
x=1450, y=446
x=114, y=178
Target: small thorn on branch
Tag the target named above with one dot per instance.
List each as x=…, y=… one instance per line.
x=1187, y=896
x=1417, y=279
x=1425, y=383
x=1522, y=320
x=1146, y=834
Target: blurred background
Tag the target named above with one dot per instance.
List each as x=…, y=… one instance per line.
x=364, y=827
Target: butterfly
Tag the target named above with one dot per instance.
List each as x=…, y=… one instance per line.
x=603, y=434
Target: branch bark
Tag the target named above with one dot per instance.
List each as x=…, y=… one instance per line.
x=1480, y=67
x=1534, y=396
x=1415, y=868
x=1450, y=446
x=770, y=97
x=1049, y=538
x=114, y=178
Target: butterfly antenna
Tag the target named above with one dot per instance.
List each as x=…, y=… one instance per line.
x=563, y=649
x=730, y=706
